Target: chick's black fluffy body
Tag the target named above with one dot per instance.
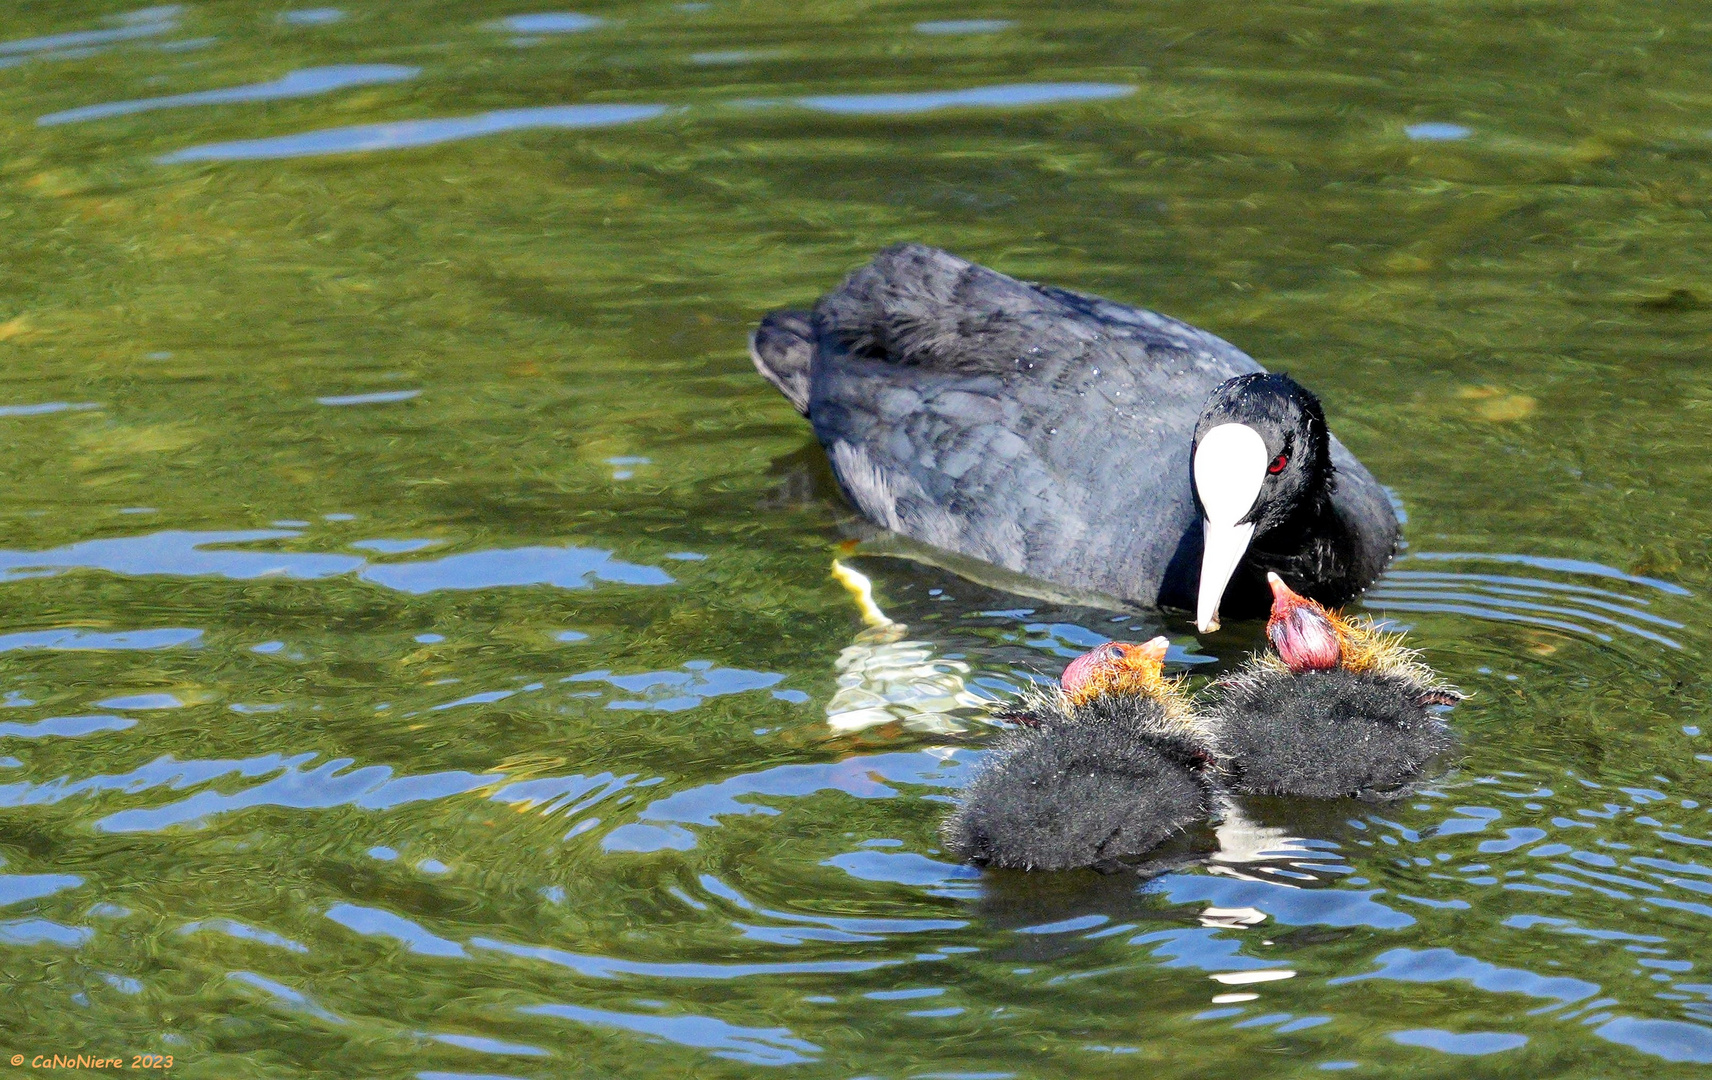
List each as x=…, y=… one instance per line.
x=1326, y=734
x=1082, y=786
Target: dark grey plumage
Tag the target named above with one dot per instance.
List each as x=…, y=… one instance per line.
x=1038, y=429
x=1090, y=786
x=1325, y=734
x=786, y=340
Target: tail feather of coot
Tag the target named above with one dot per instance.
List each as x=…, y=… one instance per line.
x=916, y=306
x=783, y=349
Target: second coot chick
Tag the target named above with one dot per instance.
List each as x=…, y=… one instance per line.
x=1339, y=709
x=1105, y=767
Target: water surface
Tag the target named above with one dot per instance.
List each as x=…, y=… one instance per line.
x=419, y=652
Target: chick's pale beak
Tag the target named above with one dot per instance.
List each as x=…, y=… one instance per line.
x=1154, y=650
x=1230, y=467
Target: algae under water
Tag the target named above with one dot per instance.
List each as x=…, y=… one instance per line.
x=418, y=639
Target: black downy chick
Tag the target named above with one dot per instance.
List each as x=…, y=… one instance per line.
x=1103, y=768
x=1339, y=709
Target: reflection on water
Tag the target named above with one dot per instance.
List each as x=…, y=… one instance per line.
x=149, y=22
x=884, y=678
x=1538, y=600
x=380, y=397
x=47, y=407
x=558, y=22
x=983, y=97
x=963, y=26
x=419, y=656
x=196, y=554
x=306, y=83
x=408, y=133
x=311, y=16
x=1437, y=132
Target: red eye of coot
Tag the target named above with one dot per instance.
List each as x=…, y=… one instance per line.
x=1278, y=464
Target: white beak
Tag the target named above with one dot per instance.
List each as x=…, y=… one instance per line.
x=1230, y=466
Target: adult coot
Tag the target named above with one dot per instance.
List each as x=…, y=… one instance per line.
x=1341, y=709
x=1105, y=767
x=1055, y=434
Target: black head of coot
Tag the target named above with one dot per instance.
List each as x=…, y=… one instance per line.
x=1262, y=475
x=1292, y=426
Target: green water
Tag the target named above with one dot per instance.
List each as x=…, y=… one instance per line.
x=479, y=726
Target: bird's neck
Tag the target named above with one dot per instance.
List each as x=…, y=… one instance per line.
x=1314, y=546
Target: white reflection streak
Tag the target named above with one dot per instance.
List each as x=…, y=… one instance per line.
x=1244, y=843
x=884, y=678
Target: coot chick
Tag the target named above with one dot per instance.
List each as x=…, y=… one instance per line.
x=1074, y=440
x=1103, y=768
x=1340, y=708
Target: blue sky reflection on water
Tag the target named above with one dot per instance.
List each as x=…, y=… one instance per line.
x=296, y=84
x=410, y=133
x=193, y=554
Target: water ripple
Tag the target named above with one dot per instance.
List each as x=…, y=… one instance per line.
x=1541, y=562
x=285, y=995
x=1573, y=606
x=553, y=22
x=374, y=922
x=311, y=16
x=674, y=691
x=194, y=554
x=74, y=639
x=66, y=727
x=382, y=397
x=43, y=932
x=48, y=407
x=306, y=83
x=1015, y=95
x=605, y=967
x=963, y=26
x=1446, y=965
x=148, y=22
x=403, y=134
x=1463, y=1044
x=17, y=888
x=752, y=1046
x=862, y=777
x=371, y=787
